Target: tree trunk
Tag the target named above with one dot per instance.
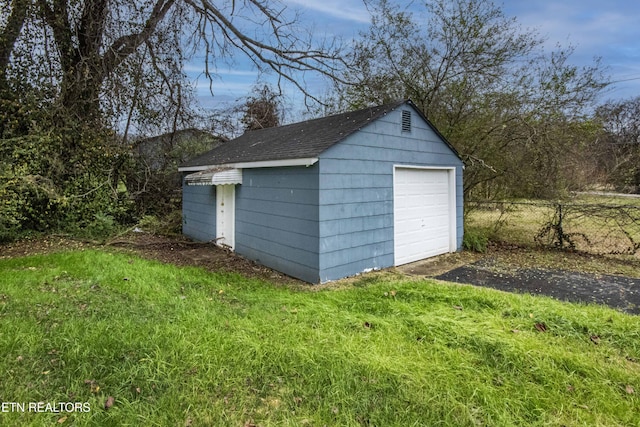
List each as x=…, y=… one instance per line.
x=10, y=34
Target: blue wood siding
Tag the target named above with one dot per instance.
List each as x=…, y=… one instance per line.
x=335, y=218
x=199, y=212
x=277, y=219
x=356, y=192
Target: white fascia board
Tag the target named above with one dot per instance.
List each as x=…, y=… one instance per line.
x=308, y=161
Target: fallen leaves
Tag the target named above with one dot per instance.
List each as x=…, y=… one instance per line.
x=595, y=339
x=541, y=327
x=109, y=403
x=629, y=389
x=271, y=402
x=95, y=388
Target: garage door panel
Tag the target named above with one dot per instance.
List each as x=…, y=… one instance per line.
x=422, y=214
x=416, y=225
x=432, y=189
x=434, y=203
x=440, y=238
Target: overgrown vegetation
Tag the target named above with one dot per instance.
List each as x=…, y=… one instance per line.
x=56, y=173
x=590, y=224
x=619, y=154
x=151, y=176
x=181, y=346
x=84, y=84
x=519, y=116
x=475, y=240
x=82, y=81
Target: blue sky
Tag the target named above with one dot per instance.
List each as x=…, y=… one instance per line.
x=608, y=29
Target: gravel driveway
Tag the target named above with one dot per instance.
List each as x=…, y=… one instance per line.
x=619, y=292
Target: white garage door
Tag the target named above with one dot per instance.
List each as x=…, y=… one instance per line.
x=424, y=213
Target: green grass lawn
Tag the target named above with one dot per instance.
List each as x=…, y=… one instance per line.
x=186, y=347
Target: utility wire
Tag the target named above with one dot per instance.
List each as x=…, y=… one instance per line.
x=624, y=80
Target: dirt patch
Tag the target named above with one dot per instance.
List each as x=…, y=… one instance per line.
x=181, y=251
x=175, y=250
x=41, y=245
x=512, y=257
x=434, y=266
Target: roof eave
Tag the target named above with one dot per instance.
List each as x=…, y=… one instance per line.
x=434, y=128
x=306, y=161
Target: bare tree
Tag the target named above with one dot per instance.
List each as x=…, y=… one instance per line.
x=485, y=82
x=91, y=49
x=262, y=109
x=78, y=78
x=618, y=153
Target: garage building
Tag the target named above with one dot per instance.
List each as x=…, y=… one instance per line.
x=332, y=197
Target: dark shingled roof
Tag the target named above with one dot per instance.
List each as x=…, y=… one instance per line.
x=295, y=141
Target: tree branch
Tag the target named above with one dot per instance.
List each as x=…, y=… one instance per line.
x=91, y=28
x=10, y=33
x=282, y=57
x=57, y=17
x=124, y=46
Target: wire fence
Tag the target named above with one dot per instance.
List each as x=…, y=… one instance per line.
x=586, y=227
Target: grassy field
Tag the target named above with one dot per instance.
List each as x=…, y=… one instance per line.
x=593, y=224
x=185, y=347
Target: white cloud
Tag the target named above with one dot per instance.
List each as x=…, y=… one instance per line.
x=592, y=26
x=198, y=68
x=239, y=88
x=608, y=30
x=350, y=10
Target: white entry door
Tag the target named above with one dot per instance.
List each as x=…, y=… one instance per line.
x=424, y=213
x=225, y=215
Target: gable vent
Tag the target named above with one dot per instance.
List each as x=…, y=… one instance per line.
x=406, y=121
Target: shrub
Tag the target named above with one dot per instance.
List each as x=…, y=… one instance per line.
x=102, y=226
x=168, y=224
x=64, y=180
x=475, y=240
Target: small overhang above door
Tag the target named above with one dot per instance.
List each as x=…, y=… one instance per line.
x=218, y=176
